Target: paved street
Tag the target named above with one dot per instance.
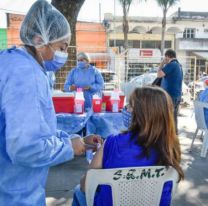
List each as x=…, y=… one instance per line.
x=191, y=192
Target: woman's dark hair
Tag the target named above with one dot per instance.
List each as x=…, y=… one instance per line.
x=31, y=50
x=153, y=125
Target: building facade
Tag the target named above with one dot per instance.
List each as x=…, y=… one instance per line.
x=186, y=33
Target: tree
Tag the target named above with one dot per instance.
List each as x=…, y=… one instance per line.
x=125, y=6
x=165, y=5
x=70, y=9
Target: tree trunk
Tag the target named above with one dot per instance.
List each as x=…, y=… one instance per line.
x=70, y=9
x=163, y=31
x=125, y=27
x=125, y=31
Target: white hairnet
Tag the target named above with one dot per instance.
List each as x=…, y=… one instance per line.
x=44, y=24
x=83, y=55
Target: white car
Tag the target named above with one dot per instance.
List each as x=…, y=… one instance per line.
x=148, y=78
x=144, y=79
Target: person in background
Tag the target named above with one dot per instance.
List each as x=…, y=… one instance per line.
x=203, y=97
x=29, y=141
x=86, y=77
x=172, y=76
x=149, y=141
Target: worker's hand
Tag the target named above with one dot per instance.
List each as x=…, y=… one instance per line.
x=164, y=61
x=73, y=87
x=93, y=140
x=87, y=88
x=78, y=145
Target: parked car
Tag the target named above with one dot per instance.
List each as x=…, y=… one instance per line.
x=144, y=79
x=148, y=78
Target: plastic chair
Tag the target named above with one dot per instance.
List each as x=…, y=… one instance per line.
x=201, y=125
x=136, y=186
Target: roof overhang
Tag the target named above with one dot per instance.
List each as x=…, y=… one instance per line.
x=203, y=55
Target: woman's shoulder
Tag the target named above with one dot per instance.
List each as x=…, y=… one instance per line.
x=111, y=145
x=94, y=69
x=73, y=70
x=122, y=137
x=20, y=59
x=14, y=53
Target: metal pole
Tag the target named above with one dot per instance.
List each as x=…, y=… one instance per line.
x=114, y=23
x=194, y=76
x=99, y=12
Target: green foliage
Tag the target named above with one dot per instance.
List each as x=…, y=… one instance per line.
x=166, y=4
x=126, y=4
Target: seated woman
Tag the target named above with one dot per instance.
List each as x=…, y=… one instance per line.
x=84, y=76
x=150, y=140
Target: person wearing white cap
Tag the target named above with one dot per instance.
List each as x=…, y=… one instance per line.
x=29, y=141
x=84, y=76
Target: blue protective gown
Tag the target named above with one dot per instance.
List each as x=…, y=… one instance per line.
x=203, y=97
x=85, y=77
x=51, y=78
x=29, y=144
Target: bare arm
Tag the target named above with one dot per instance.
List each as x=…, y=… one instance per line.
x=95, y=164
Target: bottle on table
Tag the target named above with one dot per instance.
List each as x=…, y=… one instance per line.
x=79, y=101
x=96, y=103
x=115, y=100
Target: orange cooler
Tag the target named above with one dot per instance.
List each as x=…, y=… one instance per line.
x=107, y=100
x=63, y=102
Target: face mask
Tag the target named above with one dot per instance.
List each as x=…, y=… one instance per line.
x=59, y=59
x=126, y=117
x=82, y=64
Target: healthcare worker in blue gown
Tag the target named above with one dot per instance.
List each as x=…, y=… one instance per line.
x=203, y=97
x=29, y=142
x=85, y=76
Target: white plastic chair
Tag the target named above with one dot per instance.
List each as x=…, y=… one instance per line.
x=136, y=186
x=201, y=125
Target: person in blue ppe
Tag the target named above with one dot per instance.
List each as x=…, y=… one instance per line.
x=84, y=76
x=29, y=141
x=203, y=97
